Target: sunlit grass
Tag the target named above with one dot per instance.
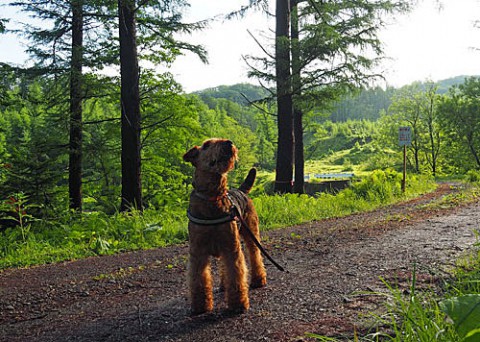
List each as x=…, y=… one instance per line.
x=96, y=233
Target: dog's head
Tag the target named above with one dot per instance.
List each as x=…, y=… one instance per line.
x=215, y=155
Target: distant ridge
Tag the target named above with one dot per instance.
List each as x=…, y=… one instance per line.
x=444, y=85
x=366, y=104
x=240, y=93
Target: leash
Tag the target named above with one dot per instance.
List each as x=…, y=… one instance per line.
x=257, y=243
x=235, y=214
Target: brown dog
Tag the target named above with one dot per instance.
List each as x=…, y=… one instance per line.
x=214, y=232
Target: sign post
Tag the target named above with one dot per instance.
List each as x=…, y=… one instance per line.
x=404, y=139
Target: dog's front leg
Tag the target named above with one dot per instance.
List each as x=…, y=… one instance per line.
x=200, y=283
x=235, y=275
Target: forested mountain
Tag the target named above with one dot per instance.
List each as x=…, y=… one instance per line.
x=241, y=93
x=444, y=85
x=366, y=104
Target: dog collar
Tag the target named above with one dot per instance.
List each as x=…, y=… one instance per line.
x=210, y=199
x=211, y=222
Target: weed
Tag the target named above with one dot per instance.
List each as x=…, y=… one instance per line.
x=17, y=209
x=120, y=274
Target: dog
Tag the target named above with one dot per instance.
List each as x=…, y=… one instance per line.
x=213, y=231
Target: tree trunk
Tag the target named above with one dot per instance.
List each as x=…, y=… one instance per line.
x=471, y=146
x=76, y=136
x=130, y=103
x=284, y=168
x=298, y=185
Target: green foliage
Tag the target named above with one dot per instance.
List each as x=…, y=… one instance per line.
x=473, y=176
x=459, y=112
x=329, y=137
x=242, y=94
x=366, y=104
x=465, y=313
x=16, y=209
x=73, y=235
x=380, y=188
x=414, y=315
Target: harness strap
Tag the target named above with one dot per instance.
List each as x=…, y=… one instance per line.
x=210, y=222
x=235, y=214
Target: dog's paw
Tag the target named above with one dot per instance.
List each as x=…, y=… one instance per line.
x=257, y=283
x=237, y=311
x=197, y=312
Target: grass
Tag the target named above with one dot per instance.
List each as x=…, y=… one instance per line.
x=71, y=236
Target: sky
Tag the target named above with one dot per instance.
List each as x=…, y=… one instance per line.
x=431, y=43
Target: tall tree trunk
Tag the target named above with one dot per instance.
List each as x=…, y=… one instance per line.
x=298, y=185
x=284, y=168
x=76, y=136
x=130, y=103
x=471, y=146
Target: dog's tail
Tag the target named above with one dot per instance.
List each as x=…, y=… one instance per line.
x=248, y=182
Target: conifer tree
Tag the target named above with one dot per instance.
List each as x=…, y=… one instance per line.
x=337, y=49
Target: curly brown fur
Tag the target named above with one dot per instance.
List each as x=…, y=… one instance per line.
x=212, y=161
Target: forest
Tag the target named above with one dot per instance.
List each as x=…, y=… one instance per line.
x=91, y=163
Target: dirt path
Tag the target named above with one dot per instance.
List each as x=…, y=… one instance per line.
x=142, y=296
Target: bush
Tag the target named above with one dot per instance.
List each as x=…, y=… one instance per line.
x=473, y=176
x=380, y=186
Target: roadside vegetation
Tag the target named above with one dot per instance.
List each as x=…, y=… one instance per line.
x=358, y=135
x=72, y=236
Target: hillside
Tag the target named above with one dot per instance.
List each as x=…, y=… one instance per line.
x=365, y=104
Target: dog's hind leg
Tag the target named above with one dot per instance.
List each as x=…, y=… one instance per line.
x=201, y=284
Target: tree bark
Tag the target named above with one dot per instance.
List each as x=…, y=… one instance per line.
x=76, y=135
x=130, y=106
x=284, y=163
x=298, y=185
x=471, y=146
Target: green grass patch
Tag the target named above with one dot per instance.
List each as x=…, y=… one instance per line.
x=71, y=236
x=378, y=189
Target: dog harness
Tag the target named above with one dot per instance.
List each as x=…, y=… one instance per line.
x=239, y=201
x=211, y=222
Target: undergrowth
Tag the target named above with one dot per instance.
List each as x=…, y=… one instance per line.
x=72, y=236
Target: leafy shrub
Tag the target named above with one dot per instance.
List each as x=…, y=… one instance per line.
x=473, y=176
x=465, y=313
x=381, y=186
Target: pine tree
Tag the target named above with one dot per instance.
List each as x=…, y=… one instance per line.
x=130, y=106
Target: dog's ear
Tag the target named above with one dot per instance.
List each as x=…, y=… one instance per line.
x=191, y=155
